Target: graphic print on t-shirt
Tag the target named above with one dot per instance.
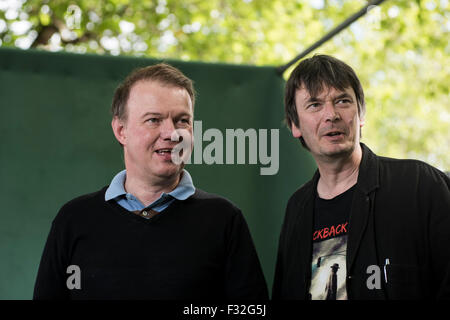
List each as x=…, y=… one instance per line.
x=328, y=269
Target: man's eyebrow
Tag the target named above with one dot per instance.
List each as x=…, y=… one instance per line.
x=150, y=114
x=340, y=96
x=344, y=95
x=313, y=99
x=181, y=114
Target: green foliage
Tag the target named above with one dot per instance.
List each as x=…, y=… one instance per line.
x=400, y=49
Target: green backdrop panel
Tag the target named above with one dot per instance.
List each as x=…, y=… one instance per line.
x=57, y=144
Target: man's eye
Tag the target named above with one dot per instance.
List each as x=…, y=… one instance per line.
x=341, y=101
x=184, y=121
x=153, y=120
x=313, y=105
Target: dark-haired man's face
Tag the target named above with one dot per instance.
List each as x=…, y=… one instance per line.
x=329, y=122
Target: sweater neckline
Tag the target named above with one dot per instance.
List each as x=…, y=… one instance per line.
x=120, y=211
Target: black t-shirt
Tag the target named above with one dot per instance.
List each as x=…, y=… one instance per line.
x=331, y=219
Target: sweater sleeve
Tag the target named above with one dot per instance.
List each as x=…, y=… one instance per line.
x=244, y=277
x=51, y=278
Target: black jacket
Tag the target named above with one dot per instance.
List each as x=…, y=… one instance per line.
x=400, y=212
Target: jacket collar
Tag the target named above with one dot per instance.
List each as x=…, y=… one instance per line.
x=362, y=206
x=368, y=176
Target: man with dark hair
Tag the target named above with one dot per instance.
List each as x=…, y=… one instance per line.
x=384, y=222
x=151, y=234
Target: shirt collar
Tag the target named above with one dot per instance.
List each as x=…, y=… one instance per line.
x=116, y=187
x=184, y=189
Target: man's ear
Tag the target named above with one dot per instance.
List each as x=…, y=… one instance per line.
x=118, y=127
x=295, y=131
x=362, y=121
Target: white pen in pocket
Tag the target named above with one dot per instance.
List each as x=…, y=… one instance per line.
x=386, y=263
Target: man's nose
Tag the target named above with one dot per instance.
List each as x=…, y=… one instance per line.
x=331, y=113
x=167, y=129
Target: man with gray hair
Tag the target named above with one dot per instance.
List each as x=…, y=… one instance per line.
x=378, y=227
x=151, y=234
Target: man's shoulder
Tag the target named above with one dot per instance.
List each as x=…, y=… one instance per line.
x=82, y=204
x=411, y=169
x=302, y=194
x=204, y=198
x=85, y=199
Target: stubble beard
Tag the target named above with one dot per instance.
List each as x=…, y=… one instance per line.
x=340, y=153
x=333, y=153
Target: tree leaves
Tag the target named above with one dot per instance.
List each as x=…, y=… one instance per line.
x=399, y=49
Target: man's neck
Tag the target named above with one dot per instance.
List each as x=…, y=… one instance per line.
x=149, y=190
x=339, y=175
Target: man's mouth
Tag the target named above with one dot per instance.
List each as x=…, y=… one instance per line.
x=164, y=151
x=333, y=133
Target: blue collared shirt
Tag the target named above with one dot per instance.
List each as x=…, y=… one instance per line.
x=116, y=191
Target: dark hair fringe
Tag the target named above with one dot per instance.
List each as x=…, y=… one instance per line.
x=314, y=74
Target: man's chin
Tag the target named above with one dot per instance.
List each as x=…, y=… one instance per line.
x=169, y=171
x=337, y=150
